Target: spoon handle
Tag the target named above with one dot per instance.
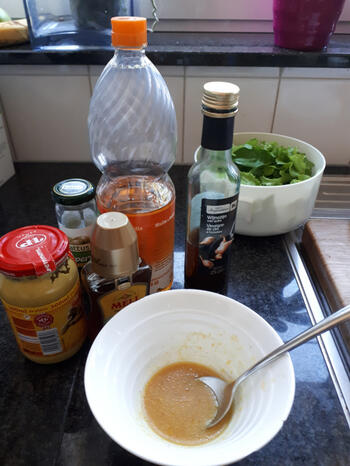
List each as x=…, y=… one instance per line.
x=325, y=324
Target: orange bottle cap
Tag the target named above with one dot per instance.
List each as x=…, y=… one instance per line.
x=129, y=31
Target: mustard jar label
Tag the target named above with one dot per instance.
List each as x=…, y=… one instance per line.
x=50, y=329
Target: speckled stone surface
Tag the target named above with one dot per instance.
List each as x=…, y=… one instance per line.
x=44, y=415
x=197, y=49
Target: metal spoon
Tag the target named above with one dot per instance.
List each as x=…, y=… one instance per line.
x=224, y=392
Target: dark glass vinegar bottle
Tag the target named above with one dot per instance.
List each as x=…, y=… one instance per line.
x=213, y=188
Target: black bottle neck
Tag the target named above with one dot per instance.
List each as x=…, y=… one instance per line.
x=217, y=133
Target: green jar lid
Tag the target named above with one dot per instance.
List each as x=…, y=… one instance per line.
x=73, y=191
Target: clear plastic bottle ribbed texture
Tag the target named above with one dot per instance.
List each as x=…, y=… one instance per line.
x=132, y=129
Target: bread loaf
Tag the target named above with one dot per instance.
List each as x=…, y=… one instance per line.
x=13, y=32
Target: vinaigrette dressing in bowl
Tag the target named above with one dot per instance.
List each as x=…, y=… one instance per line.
x=178, y=406
x=182, y=326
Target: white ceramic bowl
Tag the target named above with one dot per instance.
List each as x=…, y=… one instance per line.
x=187, y=325
x=273, y=210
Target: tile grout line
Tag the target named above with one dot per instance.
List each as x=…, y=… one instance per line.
x=8, y=132
x=183, y=118
x=276, y=100
x=89, y=78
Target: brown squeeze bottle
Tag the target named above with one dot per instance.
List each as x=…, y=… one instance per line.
x=213, y=188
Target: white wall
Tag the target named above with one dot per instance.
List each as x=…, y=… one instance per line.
x=14, y=8
x=248, y=13
x=216, y=9
x=46, y=107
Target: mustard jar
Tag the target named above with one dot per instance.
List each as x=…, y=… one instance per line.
x=40, y=291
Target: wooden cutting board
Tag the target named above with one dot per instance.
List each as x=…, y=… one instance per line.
x=326, y=243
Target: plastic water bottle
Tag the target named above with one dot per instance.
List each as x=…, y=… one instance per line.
x=132, y=129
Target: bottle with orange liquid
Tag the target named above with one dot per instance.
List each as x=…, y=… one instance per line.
x=132, y=129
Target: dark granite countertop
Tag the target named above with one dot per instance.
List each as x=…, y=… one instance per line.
x=196, y=49
x=45, y=418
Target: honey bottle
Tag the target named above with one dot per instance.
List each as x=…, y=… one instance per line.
x=115, y=276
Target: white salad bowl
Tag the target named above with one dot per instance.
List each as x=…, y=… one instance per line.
x=196, y=326
x=274, y=210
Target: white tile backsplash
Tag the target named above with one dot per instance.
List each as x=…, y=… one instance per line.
x=316, y=73
x=46, y=107
x=316, y=111
x=94, y=73
x=47, y=116
x=256, y=108
x=6, y=161
x=176, y=88
x=44, y=70
x=218, y=72
x=178, y=71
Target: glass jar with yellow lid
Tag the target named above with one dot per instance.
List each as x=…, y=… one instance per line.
x=40, y=291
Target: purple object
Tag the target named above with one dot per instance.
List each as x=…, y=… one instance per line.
x=305, y=24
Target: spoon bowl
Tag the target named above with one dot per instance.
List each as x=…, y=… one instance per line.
x=225, y=392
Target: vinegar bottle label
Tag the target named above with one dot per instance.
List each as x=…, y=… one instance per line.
x=208, y=246
x=216, y=233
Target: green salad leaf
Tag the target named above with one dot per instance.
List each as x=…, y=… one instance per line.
x=4, y=16
x=270, y=164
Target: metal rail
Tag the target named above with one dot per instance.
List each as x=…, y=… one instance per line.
x=333, y=200
x=329, y=349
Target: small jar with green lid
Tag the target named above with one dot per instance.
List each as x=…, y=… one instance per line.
x=76, y=214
